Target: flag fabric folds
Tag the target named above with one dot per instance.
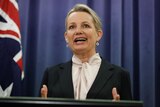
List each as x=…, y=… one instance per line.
x=11, y=66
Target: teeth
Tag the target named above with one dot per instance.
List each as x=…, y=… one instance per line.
x=80, y=39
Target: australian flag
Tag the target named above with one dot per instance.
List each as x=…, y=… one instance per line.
x=11, y=68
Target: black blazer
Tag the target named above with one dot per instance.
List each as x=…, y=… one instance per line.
x=59, y=82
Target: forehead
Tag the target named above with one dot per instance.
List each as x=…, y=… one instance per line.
x=76, y=17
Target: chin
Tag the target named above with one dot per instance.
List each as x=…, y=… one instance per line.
x=80, y=50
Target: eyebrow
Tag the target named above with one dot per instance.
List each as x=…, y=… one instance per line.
x=82, y=22
x=86, y=22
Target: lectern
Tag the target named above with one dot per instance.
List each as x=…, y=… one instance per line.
x=58, y=102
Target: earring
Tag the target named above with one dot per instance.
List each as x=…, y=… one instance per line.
x=97, y=43
x=66, y=40
x=67, y=45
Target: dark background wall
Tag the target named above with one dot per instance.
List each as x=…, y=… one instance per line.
x=131, y=40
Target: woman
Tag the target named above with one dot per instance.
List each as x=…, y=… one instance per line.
x=87, y=75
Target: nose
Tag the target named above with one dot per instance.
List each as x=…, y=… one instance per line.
x=78, y=31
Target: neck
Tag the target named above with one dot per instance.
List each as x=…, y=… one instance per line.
x=85, y=57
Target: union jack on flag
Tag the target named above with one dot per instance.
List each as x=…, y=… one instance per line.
x=11, y=69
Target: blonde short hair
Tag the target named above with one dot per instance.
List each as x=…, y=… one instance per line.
x=85, y=8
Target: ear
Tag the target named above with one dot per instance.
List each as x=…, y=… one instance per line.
x=65, y=36
x=100, y=34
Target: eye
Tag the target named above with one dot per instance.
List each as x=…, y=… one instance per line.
x=71, y=27
x=86, y=26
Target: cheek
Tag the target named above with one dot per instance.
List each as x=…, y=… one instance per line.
x=92, y=36
x=70, y=32
x=69, y=35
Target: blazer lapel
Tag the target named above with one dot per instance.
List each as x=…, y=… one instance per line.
x=102, y=77
x=66, y=80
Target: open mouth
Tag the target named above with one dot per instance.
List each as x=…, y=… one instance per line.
x=81, y=39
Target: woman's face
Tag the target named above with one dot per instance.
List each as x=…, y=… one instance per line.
x=81, y=34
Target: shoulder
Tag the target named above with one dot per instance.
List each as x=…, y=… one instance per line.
x=115, y=72
x=121, y=71
x=118, y=68
x=58, y=67
x=113, y=67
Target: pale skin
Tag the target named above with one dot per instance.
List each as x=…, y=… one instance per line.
x=81, y=36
